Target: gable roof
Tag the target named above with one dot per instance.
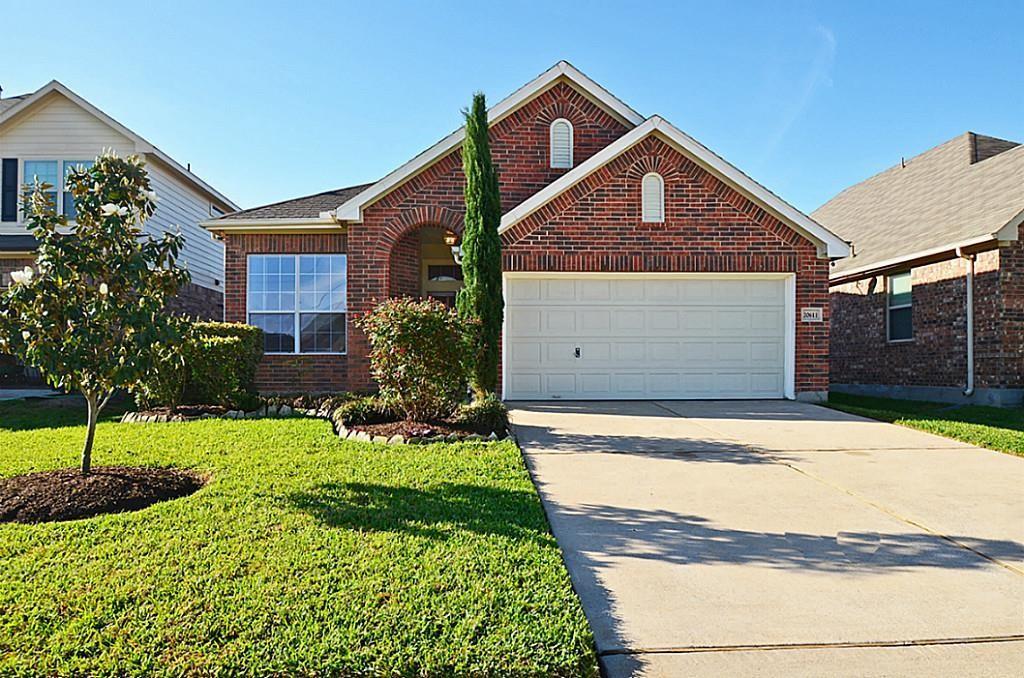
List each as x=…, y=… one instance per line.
x=966, y=191
x=351, y=209
x=833, y=246
x=26, y=102
x=305, y=207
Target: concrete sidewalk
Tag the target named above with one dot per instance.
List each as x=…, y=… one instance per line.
x=730, y=526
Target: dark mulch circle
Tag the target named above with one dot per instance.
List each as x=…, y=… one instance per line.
x=66, y=494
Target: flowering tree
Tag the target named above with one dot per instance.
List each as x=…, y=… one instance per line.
x=91, y=314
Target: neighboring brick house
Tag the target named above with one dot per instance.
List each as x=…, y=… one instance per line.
x=929, y=234
x=638, y=264
x=46, y=133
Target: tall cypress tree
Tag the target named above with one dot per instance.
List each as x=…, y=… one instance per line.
x=480, y=299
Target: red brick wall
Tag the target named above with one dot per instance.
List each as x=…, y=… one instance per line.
x=519, y=146
x=1011, y=285
x=404, y=267
x=596, y=226
x=861, y=353
x=283, y=373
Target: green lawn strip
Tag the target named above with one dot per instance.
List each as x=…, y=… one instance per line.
x=304, y=555
x=996, y=428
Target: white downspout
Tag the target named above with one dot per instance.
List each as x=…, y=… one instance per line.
x=969, y=258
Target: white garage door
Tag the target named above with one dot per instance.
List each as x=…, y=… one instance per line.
x=645, y=337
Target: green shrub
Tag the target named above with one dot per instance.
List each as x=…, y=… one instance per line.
x=488, y=414
x=214, y=364
x=250, y=351
x=365, y=410
x=417, y=356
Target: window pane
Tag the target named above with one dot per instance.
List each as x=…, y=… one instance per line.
x=69, y=200
x=271, y=282
x=443, y=273
x=323, y=283
x=899, y=289
x=322, y=332
x=278, y=331
x=901, y=324
x=44, y=170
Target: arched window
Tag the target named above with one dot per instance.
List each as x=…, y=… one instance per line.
x=653, y=198
x=561, y=143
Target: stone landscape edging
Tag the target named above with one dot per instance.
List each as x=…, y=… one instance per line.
x=343, y=432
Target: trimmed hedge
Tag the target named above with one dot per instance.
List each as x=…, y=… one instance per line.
x=489, y=414
x=215, y=364
x=365, y=410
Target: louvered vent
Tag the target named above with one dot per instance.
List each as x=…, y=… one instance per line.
x=561, y=144
x=653, y=198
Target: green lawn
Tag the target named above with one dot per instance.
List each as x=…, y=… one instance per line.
x=305, y=555
x=996, y=428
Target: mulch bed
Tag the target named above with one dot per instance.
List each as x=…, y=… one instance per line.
x=187, y=411
x=66, y=494
x=416, y=429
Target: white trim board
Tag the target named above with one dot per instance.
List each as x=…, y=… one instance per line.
x=834, y=246
x=351, y=210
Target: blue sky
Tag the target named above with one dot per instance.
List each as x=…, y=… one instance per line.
x=271, y=100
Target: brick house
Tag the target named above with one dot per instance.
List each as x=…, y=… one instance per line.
x=637, y=263
x=931, y=304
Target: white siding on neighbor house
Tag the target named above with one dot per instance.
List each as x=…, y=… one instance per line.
x=57, y=128
x=180, y=205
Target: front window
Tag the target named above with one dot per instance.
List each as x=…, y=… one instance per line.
x=299, y=301
x=900, y=310
x=55, y=173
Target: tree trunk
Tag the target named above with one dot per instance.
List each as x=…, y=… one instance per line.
x=94, y=411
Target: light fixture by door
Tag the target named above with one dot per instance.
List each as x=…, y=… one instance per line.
x=452, y=240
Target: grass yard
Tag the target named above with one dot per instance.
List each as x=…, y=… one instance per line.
x=303, y=555
x=996, y=428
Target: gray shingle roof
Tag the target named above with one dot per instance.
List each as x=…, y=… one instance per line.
x=306, y=207
x=969, y=187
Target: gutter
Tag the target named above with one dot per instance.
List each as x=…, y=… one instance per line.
x=969, y=312
x=978, y=244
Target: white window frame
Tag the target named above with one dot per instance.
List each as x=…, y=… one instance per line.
x=551, y=144
x=889, y=307
x=296, y=311
x=661, y=199
x=60, y=187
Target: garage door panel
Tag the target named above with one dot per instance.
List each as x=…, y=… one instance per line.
x=559, y=290
x=653, y=338
x=594, y=320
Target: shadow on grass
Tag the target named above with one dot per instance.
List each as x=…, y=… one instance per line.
x=54, y=412
x=439, y=512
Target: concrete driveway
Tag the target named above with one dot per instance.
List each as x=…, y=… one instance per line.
x=780, y=538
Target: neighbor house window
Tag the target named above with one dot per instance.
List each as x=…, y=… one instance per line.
x=299, y=301
x=900, y=311
x=653, y=198
x=55, y=173
x=561, y=143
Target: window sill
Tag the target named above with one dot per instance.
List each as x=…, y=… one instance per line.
x=294, y=353
x=900, y=341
